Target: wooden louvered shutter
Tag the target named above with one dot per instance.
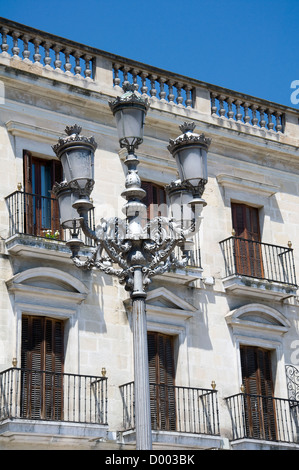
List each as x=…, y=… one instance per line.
x=148, y=199
x=257, y=380
x=56, y=177
x=42, y=367
x=155, y=199
x=28, y=205
x=54, y=368
x=161, y=374
x=248, y=252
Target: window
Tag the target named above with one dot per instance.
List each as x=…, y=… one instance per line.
x=42, y=357
x=155, y=199
x=161, y=375
x=258, y=402
x=41, y=207
x=247, y=246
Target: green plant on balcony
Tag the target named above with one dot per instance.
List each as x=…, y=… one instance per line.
x=50, y=234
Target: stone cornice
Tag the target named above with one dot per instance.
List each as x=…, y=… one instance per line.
x=235, y=182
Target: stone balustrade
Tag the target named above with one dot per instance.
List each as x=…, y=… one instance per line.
x=220, y=106
x=247, y=111
x=45, y=50
x=155, y=84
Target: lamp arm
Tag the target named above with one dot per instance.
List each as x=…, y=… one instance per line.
x=162, y=255
x=186, y=233
x=88, y=232
x=114, y=252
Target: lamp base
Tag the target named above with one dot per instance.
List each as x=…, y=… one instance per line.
x=83, y=205
x=197, y=200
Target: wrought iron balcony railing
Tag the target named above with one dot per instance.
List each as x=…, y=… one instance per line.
x=33, y=214
x=292, y=374
x=36, y=215
x=40, y=395
x=174, y=408
x=259, y=260
x=264, y=418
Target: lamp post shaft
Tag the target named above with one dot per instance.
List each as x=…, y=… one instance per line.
x=141, y=376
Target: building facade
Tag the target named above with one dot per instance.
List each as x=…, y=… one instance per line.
x=222, y=333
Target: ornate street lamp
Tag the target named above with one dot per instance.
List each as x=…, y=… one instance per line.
x=129, y=249
x=190, y=151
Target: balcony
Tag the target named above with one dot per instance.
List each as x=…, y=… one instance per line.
x=48, y=403
x=258, y=269
x=180, y=415
x=34, y=223
x=263, y=418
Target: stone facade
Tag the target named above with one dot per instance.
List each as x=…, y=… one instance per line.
x=210, y=311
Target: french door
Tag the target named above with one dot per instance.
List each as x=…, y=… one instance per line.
x=259, y=406
x=247, y=246
x=41, y=207
x=42, y=368
x=161, y=375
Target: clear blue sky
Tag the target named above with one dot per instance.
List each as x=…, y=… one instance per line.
x=251, y=46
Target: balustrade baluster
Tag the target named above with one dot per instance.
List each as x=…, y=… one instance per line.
x=221, y=108
x=15, y=48
x=170, y=91
x=78, y=67
x=37, y=56
x=26, y=52
x=180, y=98
x=116, y=80
x=246, y=113
x=125, y=72
x=188, y=102
x=67, y=65
x=144, y=87
x=230, y=113
x=262, y=117
x=134, y=76
x=162, y=93
x=238, y=109
x=57, y=61
x=278, y=121
x=254, y=119
x=4, y=45
x=153, y=90
x=214, y=107
x=47, y=58
x=270, y=122
x=87, y=71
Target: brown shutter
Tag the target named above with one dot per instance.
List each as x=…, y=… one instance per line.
x=259, y=405
x=248, y=249
x=161, y=374
x=56, y=177
x=27, y=168
x=28, y=206
x=42, y=366
x=155, y=199
x=56, y=172
x=148, y=199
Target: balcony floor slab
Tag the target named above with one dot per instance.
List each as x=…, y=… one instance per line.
x=243, y=285
x=170, y=440
x=35, y=432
